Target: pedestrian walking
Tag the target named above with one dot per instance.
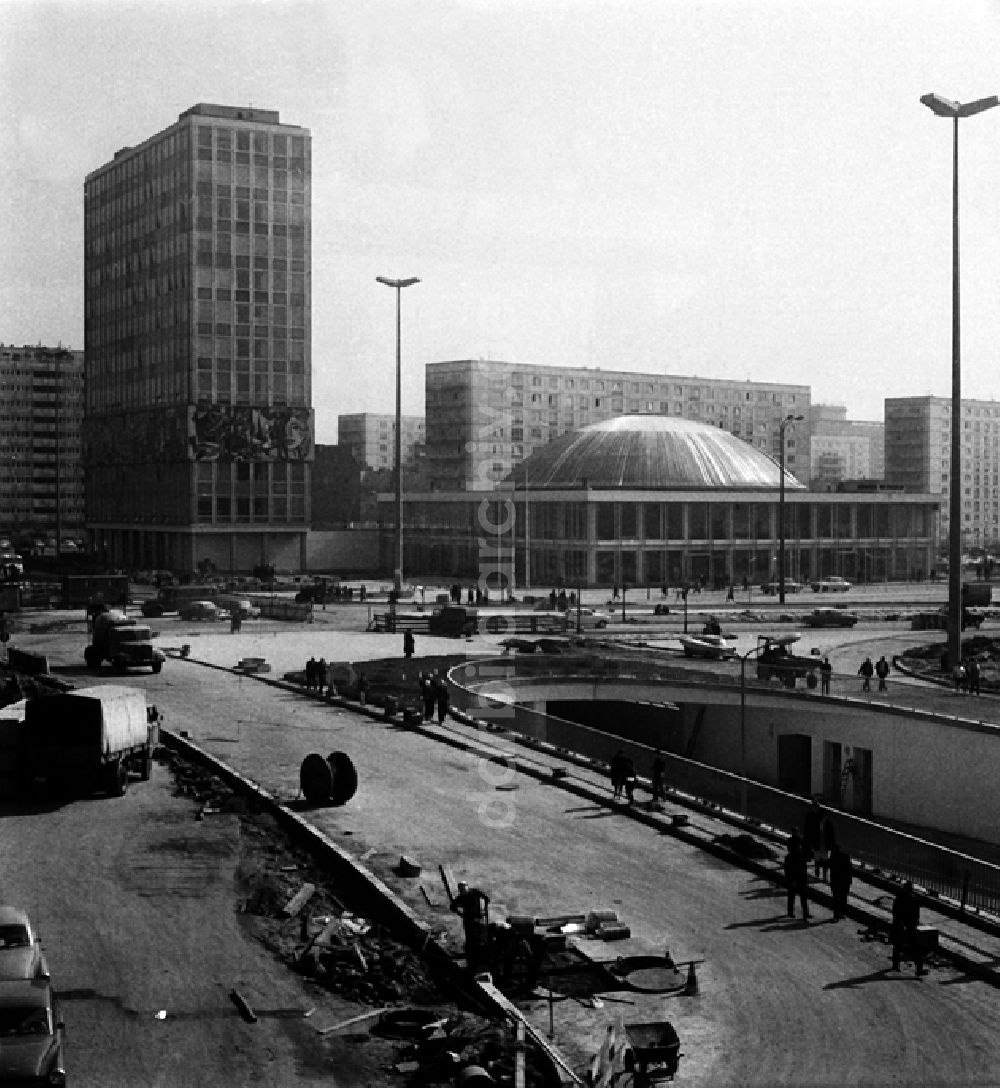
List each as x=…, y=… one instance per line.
x=958, y=676
x=882, y=671
x=812, y=835
x=322, y=675
x=866, y=672
x=428, y=695
x=362, y=688
x=617, y=768
x=841, y=876
x=825, y=672
x=905, y=921
x=311, y=673
x=658, y=779
x=409, y=644
x=796, y=875
x=972, y=676
x=442, y=697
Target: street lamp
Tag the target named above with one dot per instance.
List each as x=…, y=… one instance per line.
x=398, y=576
x=944, y=107
x=781, y=502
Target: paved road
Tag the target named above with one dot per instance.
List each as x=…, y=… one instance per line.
x=134, y=899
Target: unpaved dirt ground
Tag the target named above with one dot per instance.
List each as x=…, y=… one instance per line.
x=339, y=949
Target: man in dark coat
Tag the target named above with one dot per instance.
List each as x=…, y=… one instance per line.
x=812, y=833
x=441, y=694
x=797, y=875
x=841, y=876
x=659, y=777
x=428, y=695
x=905, y=920
x=882, y=671
x=473, y=906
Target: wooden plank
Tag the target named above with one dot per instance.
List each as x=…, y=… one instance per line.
x=449, y=882
x=299, y=900
x=371, y=1014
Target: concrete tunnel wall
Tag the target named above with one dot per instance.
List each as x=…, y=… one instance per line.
x=927, y=770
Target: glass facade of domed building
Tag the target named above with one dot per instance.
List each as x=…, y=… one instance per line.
x=659, y=501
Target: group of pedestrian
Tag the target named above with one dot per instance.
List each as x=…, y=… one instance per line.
x=880, y=669
x=818, y=844
x=474, y=595
x=966, y=676
x=319, y=676
x=623, y=777
x=434, y=695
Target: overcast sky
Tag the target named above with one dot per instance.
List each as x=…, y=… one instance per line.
x=735, y=190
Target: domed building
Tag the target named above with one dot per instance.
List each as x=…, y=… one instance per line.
x=651, y=453
x=659, y=501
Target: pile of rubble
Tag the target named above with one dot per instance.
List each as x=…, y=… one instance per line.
x=294, y=908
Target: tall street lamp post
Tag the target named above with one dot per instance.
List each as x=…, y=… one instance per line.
x=944, y=107
x=398, y=574
x=781, y=503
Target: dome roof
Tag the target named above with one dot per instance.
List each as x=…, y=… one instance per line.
x=651, y=453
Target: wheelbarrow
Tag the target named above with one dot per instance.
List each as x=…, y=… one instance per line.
x=653, y=1051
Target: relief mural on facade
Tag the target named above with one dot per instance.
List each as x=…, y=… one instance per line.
x=223, y=433
x=209, y=433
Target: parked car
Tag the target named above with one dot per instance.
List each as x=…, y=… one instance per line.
x=773, y=587
x=202, y=610
x=31, y=1034
x=831, y=617
x=152, y=608
x=21, y=954
x=833, y=584
x=589, y=618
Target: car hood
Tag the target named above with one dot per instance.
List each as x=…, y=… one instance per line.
x=18, y=962
x=26, y=1056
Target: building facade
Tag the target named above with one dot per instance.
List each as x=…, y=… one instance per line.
x=41, y=412
x=371, y=438
x=654, y=501
x=198, y=428
x=844, y=449
x=918, y=458
x=484, y=417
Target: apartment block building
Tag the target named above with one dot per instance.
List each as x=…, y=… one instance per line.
x=41, y=411
x=484, y=417
x=844, y=449
x=918, y=458
x=371, y=438
x=198, y=426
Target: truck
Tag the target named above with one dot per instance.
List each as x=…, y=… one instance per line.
x=774, y=660
x=118, y=639
x=88, y=739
